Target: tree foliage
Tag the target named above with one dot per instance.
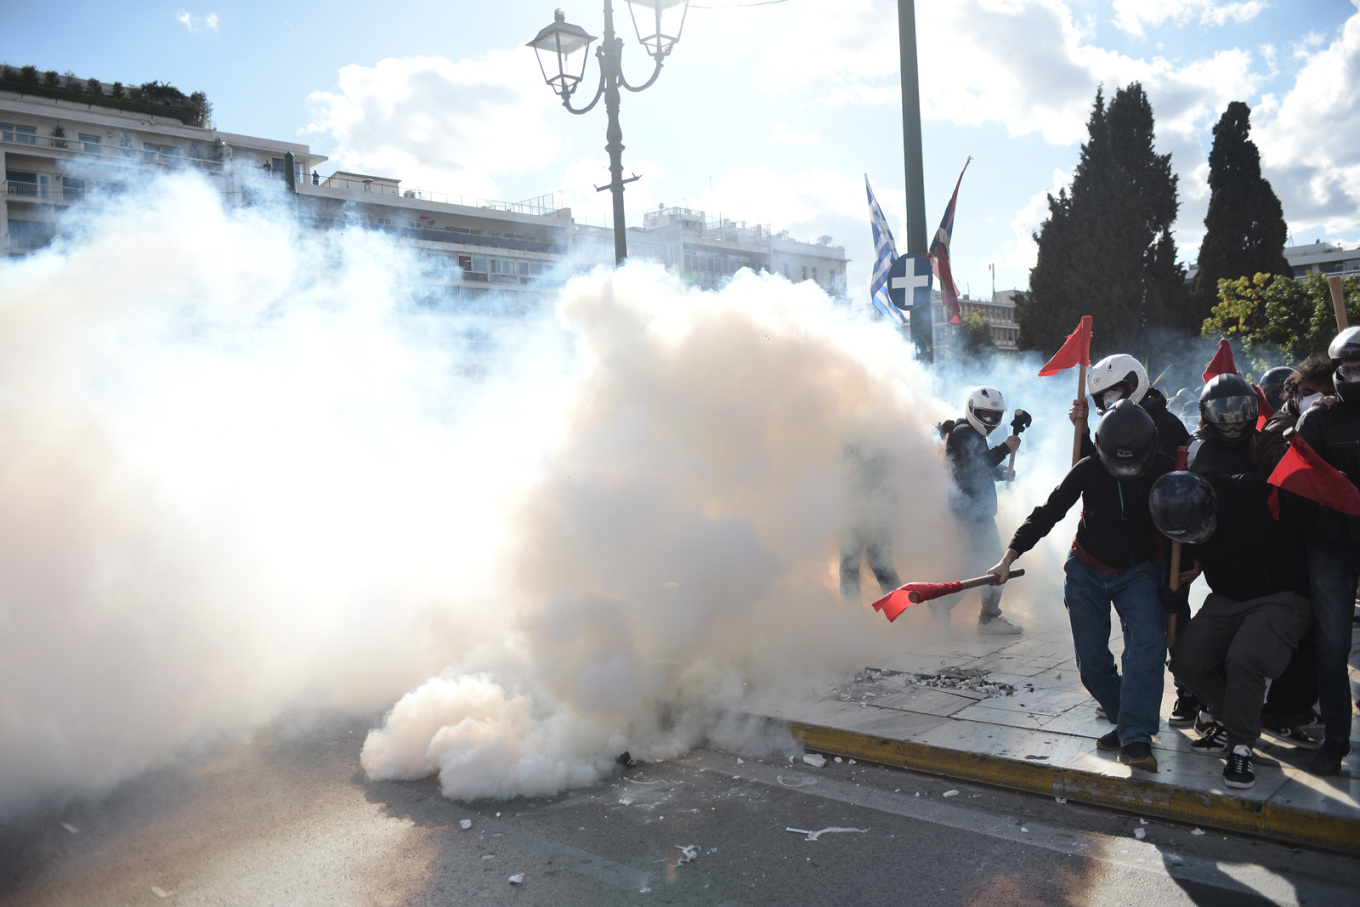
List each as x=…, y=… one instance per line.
x=1245, y=231
x=1271, y=312
x=1106, y=248
x=975, y=337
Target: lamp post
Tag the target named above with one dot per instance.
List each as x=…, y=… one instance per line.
x=563, y=50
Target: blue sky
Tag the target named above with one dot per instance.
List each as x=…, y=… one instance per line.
x=768, y=112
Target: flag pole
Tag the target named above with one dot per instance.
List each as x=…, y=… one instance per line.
x=1079, y=429
x=1338, y=301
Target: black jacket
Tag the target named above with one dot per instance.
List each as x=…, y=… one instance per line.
x=974, y=470
x=1116, y=526
x=1251, y=553
x=1334, y=432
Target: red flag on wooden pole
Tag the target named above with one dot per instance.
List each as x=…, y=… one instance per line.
x=1302, y=471
x=1076, y=350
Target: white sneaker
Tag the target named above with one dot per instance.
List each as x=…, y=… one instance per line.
x=999, y=626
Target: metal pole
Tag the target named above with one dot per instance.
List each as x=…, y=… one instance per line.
x=922, y=321
x=610, y=60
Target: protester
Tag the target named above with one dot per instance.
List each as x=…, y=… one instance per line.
x=1122, y=377
x=1334, y=550
x=1112, y=561
x=868, y=534
x=1226, y=437
x=1306, y=385
x=1257, y=609
x=974, y=469
x=1272, y=385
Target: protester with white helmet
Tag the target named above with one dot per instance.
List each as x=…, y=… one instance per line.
x=1122, y=377
x=974, y=470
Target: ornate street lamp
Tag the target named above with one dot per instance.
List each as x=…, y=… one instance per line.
x=562, y=50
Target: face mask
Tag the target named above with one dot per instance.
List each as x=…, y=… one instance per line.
x=1305, y=402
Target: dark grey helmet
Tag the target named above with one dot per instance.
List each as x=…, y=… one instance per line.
x=1229, y=407
x=1184, y=507
x=1346, y=346
x=1126, y=440
x=1272, y=385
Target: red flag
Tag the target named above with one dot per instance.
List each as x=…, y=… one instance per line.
x=1076, y=350
x=1306, y=474
x=1222, y=363
x=939, y=255
x=1266, y=410
x=895, y=602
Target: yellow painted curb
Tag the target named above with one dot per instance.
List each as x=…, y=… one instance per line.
x=1135, y=795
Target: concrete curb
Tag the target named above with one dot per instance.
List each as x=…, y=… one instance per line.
x=1135, y=795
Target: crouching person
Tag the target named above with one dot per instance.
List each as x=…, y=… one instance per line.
x=1255, y=614
x=1112, y=561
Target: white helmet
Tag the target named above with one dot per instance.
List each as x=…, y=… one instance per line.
x=1121, y=368
x=985, y=408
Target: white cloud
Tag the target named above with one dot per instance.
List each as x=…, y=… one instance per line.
x=1132, y=16
x=1021, y=252
x=787, y=135
x=437, y=124
x=197, y=23
x=1310, y=139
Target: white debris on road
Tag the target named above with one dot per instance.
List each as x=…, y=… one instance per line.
x=465, y=824
x=1140, y=833
x=688, y=854
x=814, y=760
x=814, y=835
x=71, y=828
x=516, y=879
x=1197, y=831
x=1062, y=801
x=951, y=793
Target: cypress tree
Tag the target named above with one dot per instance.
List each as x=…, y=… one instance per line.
x=1245, y=230
x=1106, y=249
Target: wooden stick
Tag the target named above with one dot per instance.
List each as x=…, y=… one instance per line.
x=1175, y=585
x=1079, y=429
x=1338, y=302
x=984, y=580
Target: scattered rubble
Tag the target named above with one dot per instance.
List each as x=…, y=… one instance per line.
x=814, y=835
x=688, y=854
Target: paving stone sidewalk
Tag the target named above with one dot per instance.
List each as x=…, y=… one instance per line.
x=1011, y=711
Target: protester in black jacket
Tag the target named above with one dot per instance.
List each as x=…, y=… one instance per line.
x=1334, y=550
x=1112, y=561
x=974, y=470
x=1257, y=610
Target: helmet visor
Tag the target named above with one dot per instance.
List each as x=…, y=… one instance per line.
x=1347, y=374
x=989, y=417
x=1109, y=397
x=1231, y=415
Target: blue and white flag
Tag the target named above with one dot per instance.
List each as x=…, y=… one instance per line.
x=884, y=256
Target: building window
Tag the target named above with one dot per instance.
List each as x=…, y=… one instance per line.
x=91, y=143
x=23, y=135
x=167, y=154
x=72, y=189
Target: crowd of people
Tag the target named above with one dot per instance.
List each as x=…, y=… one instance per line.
x=1273, y=636
x=1162, y=506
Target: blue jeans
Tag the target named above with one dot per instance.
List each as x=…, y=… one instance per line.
x=1331, y=580
x=1134, y=700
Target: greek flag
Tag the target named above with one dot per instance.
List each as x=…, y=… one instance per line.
x=884, y=256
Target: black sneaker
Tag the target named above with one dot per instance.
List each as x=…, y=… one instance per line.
x=1184, y=712
x=1203, y=722
x=1109, y=743
x=1329, y=756
x=1239, y=773
x=1214, y=741
x=1295, y=736
x=1139, y=755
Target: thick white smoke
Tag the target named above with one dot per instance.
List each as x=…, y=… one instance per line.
x=241, y=470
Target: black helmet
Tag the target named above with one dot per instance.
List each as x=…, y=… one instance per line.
x=1229, y=407
x=1126, y=440
x=1346, y=346
x=1184, y=507
x=1272, y=385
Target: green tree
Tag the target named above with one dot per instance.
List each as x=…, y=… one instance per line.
x=1106, y=249
x=975, y=337
x=1271, y=311
x=1245, y=230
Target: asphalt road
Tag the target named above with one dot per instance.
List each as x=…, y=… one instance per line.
x=287, y=818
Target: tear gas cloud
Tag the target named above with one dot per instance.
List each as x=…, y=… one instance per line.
x=242, y=470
